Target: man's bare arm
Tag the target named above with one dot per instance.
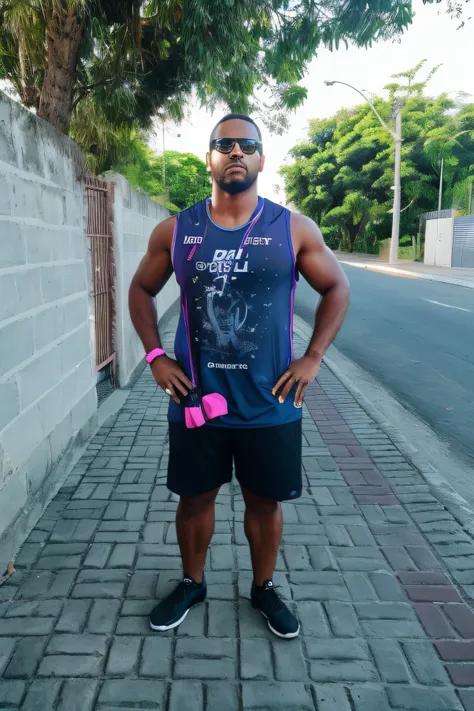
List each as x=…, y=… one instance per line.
x=322, y=271
x=151, y=276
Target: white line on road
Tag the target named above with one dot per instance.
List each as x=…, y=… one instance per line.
x=447, y=306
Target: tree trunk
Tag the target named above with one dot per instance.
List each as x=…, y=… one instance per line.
x=353, y=231
x=63, y=37
x=28, y=92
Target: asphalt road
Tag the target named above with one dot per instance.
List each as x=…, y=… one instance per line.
x=416, y=337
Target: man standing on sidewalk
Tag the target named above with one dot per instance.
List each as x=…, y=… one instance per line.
x=235, y=391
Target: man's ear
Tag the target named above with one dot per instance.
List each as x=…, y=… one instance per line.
x=208, y=162
x=261, y=164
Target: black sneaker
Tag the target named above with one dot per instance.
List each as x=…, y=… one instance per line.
x=280, y=619
x=171, y=611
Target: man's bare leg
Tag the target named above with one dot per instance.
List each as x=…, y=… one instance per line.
x=263, y=525
x=195, y=520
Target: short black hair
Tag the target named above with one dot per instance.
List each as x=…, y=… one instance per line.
x=243, y=117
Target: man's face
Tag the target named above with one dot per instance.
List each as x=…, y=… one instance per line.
x=235, y=172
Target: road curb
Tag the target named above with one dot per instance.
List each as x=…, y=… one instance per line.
x=415, y=275
x=443, y=490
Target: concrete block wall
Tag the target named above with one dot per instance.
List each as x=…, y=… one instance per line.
x=47, y=375
x=135, y=217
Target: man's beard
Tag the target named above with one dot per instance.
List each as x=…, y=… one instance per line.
x=234, y=187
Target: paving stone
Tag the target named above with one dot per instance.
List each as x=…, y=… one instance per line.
x=432, y=593
x=337, y=535
x=222, y=619
x=205, y=658
x=434, y=622
x=95, y=590
x=124, y=656
x=156, y=657
x=424, y=663
x=467, y=698
x=26, y=658
x=131, y=693
x=42, y=694
x=153, y=532
x=186, y=695
x=386, y=629
x=320, y=558
x=337, y=649
x=116, y=510
x=97, y=555
x=103, y=617
x=73, y=617
x=255, y=659
x=462, y=618
x=342, y=671
x=455, y=651
x=15, y=627
x=289, y=660
x=409, y=698
x=77, y=644
x=297, y=558
x=6, y=649
x=384, y=611
x=136, y=511
x=360, y=587
x=423, y=578
x=195, y=623
x=266, y=696
x=342, y=619
x=390, y=661
x=331, y=697
x=313, y=620
x=77, y=696
x=11, y=693
x=222, y=695
x=71, y=665
x=387, y=587
x=123, y=556
x=423, y=557
x=366, y=698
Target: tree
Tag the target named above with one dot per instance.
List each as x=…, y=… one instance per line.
x=124, y=59
x=353, y=216
x=351, y=154
x=187, y=179
x=453, y=143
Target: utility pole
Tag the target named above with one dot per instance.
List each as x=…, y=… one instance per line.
x=397, y=137
x=397, y=190
x=440, y=194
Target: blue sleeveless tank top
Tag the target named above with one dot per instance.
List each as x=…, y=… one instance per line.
x=237, y=293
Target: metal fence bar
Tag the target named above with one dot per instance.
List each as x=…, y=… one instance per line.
x=99, y=196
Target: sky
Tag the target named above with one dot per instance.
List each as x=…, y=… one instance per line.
x=432, y=36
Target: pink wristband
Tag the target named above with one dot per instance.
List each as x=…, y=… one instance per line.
x=150, y=357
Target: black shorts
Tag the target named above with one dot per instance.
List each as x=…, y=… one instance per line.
x=267, y=460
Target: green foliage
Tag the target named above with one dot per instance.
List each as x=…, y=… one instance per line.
x=137, y=57
x=342, y=175
x=187, y=180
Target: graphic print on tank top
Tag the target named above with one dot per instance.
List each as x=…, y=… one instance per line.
x=237, y=289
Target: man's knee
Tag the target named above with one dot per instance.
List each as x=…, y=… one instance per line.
x=191, y=506
x=260, y=506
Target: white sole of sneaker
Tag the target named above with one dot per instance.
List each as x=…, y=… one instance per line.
x=290, y=635
x=164, y=628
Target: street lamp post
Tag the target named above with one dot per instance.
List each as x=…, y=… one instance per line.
x=397, y=137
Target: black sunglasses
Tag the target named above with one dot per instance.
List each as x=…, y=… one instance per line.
x=247, y=145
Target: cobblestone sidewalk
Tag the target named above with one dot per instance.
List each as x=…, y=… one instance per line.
x=380, y=573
